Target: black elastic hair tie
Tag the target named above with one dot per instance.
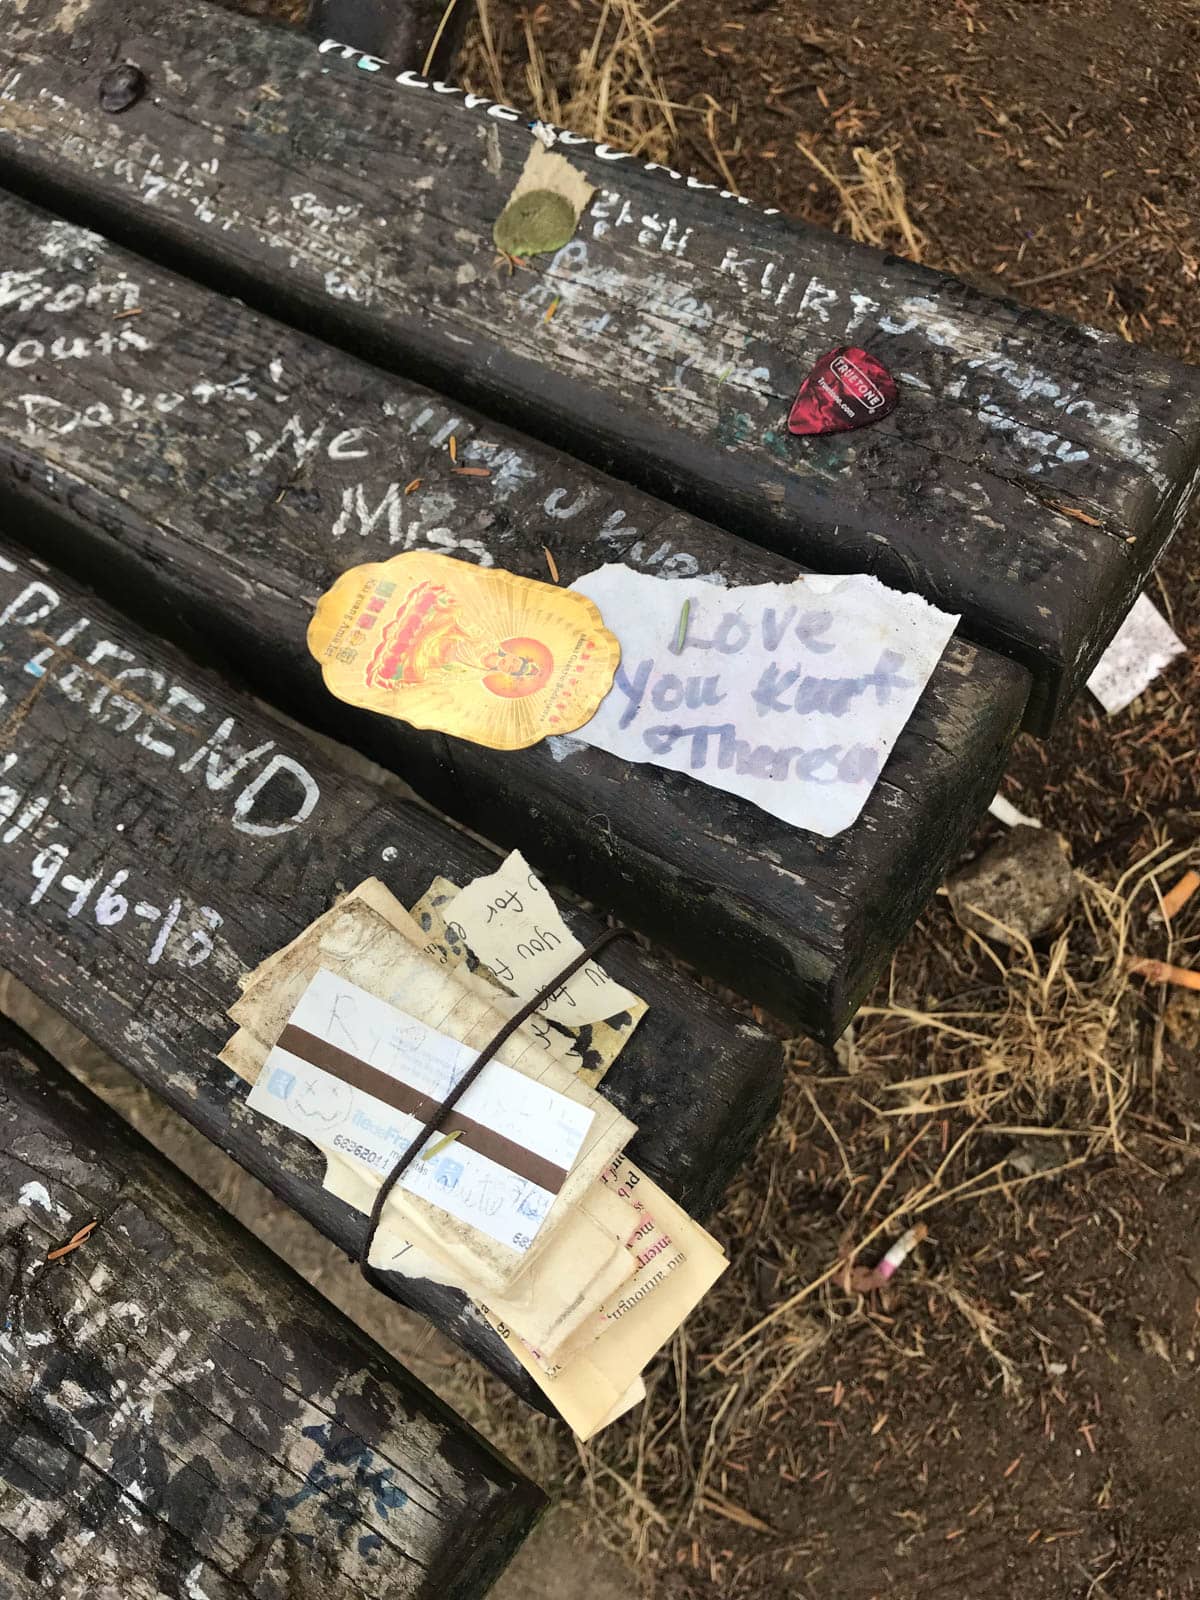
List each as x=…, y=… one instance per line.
x=439, y=1113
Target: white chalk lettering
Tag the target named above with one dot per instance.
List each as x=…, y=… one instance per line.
x=217, y=745
x=276, y=767
x=503, y=113
x=110, y=906
x=342, y=448
x=354, y=505
x=139, y=697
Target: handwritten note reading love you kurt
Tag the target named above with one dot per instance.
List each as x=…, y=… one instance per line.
x=791, y=695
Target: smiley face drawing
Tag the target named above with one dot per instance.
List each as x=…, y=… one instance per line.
x=325, y=1105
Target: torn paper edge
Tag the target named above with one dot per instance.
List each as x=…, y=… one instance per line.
x=1142, y=647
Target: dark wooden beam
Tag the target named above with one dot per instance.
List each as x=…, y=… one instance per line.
x=181, y=1414
x=1028, y=478
x=160, y=835
x=236, y=467
x=424, y=35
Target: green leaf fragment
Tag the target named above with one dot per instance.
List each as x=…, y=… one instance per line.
x=434, y=1149
x=535, y=223
x=681, y=631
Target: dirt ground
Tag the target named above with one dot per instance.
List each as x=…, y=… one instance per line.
x=1015, y=1413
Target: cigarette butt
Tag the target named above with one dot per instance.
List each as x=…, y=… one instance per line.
x=904, y=1246
x=1163, y=972
x=1180, y=894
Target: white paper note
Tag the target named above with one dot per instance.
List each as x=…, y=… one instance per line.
x=791, y=695
x=680, y=1263
x=518, y=1137
x=592, y=1047
x=1142, y=646
x=509, y=920
x=1004, y=811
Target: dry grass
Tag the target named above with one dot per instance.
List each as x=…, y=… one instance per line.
x=1053, y=1043
x=611, y=92
x=983, y=1326
x=1038, y=1047
x=872, y=204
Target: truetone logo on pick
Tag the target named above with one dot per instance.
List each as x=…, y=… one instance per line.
x=857, y=382
x=846, y=389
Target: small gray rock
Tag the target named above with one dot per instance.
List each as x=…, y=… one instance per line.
x=1031, y=1155
x=1025, y=881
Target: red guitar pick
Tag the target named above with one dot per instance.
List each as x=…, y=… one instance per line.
x=846, y=389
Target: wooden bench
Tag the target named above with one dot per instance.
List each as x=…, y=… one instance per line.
x=1029, y=477
x=209, y=466
x=181, y=1415
x=160, y=835
x=412, y=33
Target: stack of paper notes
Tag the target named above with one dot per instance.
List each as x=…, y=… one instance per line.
x=356, y=1032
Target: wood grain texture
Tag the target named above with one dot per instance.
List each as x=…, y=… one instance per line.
x=180, y=1414
x=400, y=31
x=159, y=836
x=319, y=186
x=206, y=464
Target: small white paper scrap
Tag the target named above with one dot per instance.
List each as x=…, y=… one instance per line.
x=359, y=1076
x=1004, y=811
x=791, y=695
x=1142, y=646
x=509, y=920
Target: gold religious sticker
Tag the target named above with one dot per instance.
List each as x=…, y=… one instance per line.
x=472, y=651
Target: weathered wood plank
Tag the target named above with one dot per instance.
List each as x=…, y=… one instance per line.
x=180, y=1413
x=217, y=466
x=403, y=31
x=325, y=190
x=159, y=836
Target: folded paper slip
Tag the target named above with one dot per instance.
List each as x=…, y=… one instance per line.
x=587, y=1384
x=362, y=928
x=633, y=1396
x=575, y=1394
x=451, y=1183
x=677, y=1263
x=594, y=1046
x=369, y=940
x=581, y=1265
x=509, y=920
x=357, y=936
x=366, y=1077
x=615, y=1266
x=670, y=1264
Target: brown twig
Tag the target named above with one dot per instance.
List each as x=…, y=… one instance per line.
x=1069, y=272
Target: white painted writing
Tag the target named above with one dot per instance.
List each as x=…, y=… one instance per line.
x=275, y=793
x=502, y=113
